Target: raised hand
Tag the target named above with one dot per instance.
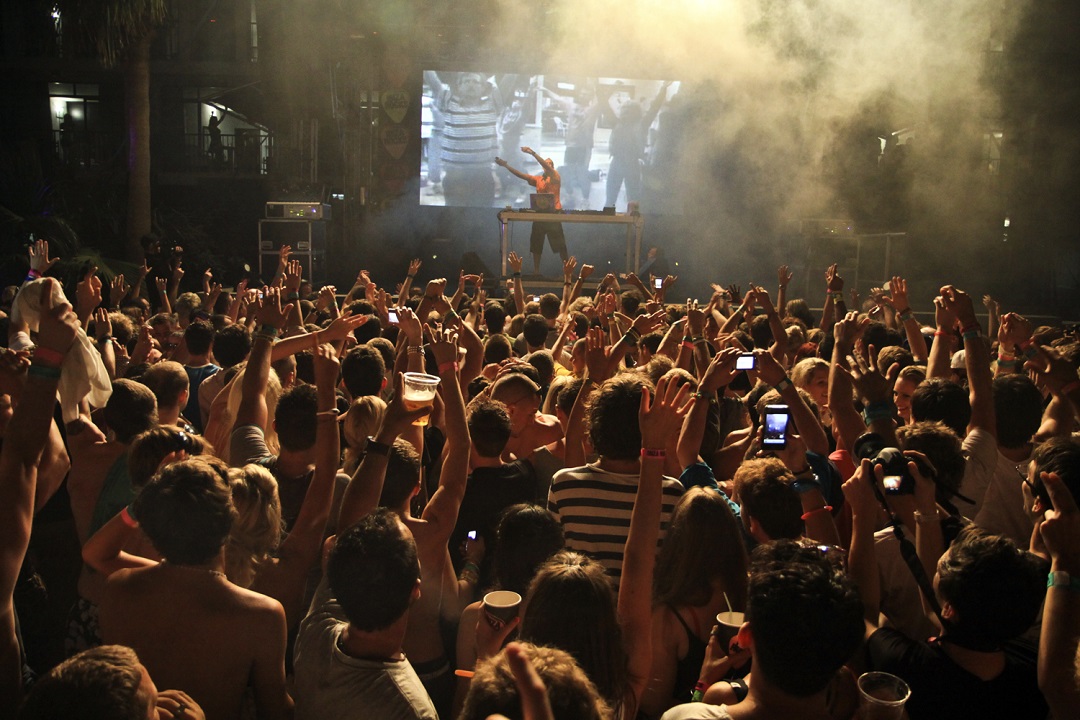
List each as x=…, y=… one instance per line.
x=850, y=329
x=568, y=268
x=118, y=289
x=102, y=324
x=58, y=325
x=409, y=324
x=341, y=327
x=695, y=318
x=596, y=355
x=586, y=272
x=414, y=266
x=661, y=417
x=88, y=291
x=269, y=310
x=1015, y=330
x=1060, y=529
x=435, y=288
x=898, y=294
x=327, y=366
x=960, y=305
x=1051, y=369
x=39, y=256
x=833, y=281
x=871, y=385
x=720, y=372
x=500, y=162
x=294, y=274
x=943, y=316
x=445, y=347
x=783, y=277
x=514, y=261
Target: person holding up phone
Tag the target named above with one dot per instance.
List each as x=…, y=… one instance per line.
x=547, y=182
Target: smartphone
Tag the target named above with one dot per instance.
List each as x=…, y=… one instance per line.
x=745, y=361
x=536, y=298
x=392, y=317
x=471, y=535
x=776, y=422
x=658, y=283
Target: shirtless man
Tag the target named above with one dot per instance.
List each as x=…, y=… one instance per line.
x=191, y=627
x=529, y=428
x=390, y=476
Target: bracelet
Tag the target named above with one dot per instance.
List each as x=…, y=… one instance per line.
x=700, y=340
x=293, y=296
x=971, y=334
x=1062, y=579
x=127, y=518
x=33, y=274
x=415, y=349
x=411, y=276
x=376, y=447
x=470, y=566
x=633, y=334
x=905, y=311
x=43, y=371
x=1029, y=349
x=653, y=453
x=270, y=330
x=1071, y=387
x=941, y=333
x=469, y=577
x=48, y=356
x=567, y=283
x=1006, y=356
x=331, y=413
x=782, y=385
x=447, y=366
x=688, y=345
x=811, y=513
x=906, y=315
x=517, y=274
x=699, y=691
x=927, y=518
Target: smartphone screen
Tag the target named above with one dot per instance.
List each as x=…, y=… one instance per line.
x=745, y=361
x=776, y=422
x=471, y=535
x=392, y=316
x=658, y=283
x=536, y=298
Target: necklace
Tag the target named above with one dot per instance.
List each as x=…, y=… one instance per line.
x=189, y=568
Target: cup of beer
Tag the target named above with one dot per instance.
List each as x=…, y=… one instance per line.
x=419, y=392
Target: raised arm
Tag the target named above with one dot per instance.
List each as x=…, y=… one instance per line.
x=783, y=277
x=847, y=424
x=442, y=509
x=937, y=366
x=104, y=550
x=659, y=418
x=514, y=171
x=976, y=359
x=862, y=564
x=547, y=166
x=898, y=299
x=27, y=431
x=271, y=316
x=406, y=285
x=1060, y=531
x=771, y=373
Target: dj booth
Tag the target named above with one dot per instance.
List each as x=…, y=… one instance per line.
x=633, y=223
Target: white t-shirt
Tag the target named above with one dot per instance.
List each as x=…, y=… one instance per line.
x=697, y=711
x=331, y=685
x=1003, y=511
x=980, y=449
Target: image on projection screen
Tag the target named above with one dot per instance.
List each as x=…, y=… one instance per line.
x=605, y=136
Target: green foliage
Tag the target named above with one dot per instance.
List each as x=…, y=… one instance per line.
x=112, y=26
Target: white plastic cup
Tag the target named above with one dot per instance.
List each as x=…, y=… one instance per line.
x=728, y=624
x=882, y=696
x=419, y=392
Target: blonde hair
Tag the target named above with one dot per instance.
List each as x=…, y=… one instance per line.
x=228, y=419
x=363, y=419
x=257, y=530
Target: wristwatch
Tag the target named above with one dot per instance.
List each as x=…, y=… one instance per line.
x=377, y=448
x=1062, y=579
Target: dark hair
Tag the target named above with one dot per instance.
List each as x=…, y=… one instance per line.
x=880, y=336
x=489, y=426
x=363, y=371
x=1018, y=407
x=304, y=365
x=942, y=400
x=760, y=331
x=131, y=409
x=402, y=474
x=613, y=416
x=368, y=330
x=571, y=585
x=497, y=348
x=232, y=345
x=942, y=448
x=544, y=362
x=151, y=447
x=494, y=317
x=167, y=380
x=100, y=683
x=294, y=418
x=373, y=570
x=527, y=537
x=568, y=393
x=630, y=301
x=199, y=336
x=1060, y=455
x=805, y=615
x=894, y=354
x=186, y=510
x=703, y=545
x=767, y=495
x=651, y=341
x=797, y=307
x=535, y=330
x=549, y=305
x=995, y=587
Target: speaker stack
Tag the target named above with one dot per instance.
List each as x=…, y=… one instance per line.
x=301, y=226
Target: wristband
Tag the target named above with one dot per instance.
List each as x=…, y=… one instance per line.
x=415, y=349
x=270, y=330
x=1029, y=349
x=699, y=691
x=470, y=566
x=410, y=276
x=811, y=513
x=927, y=518
x=653, y=453
x=376, y=447
x=633, y=334
x=48, y=356
x=331, y=413
x=47, y=372
x=567, y=283
x=782, y=385
x=33, y=274
x=1062, y=579
x=127, y=518
x=293, y=296
x=1071, y=387
x=517, y=274
x=700, y=340
x=446, y=366
x=906, y=315
x=971, y=334
x=688, y=345
x=941, y=333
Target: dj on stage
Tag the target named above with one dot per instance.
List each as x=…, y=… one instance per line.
x=549, y=183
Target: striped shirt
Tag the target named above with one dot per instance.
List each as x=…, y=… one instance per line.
x=469, y=135
x=594, y=507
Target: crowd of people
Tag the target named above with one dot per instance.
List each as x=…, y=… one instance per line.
x=271, y=525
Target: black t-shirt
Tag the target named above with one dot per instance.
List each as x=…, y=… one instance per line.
x=942, y=689
x=489, y=491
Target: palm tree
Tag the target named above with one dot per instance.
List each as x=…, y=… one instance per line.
x=121, y=32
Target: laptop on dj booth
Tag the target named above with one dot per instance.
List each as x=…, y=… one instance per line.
x=542, y=202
